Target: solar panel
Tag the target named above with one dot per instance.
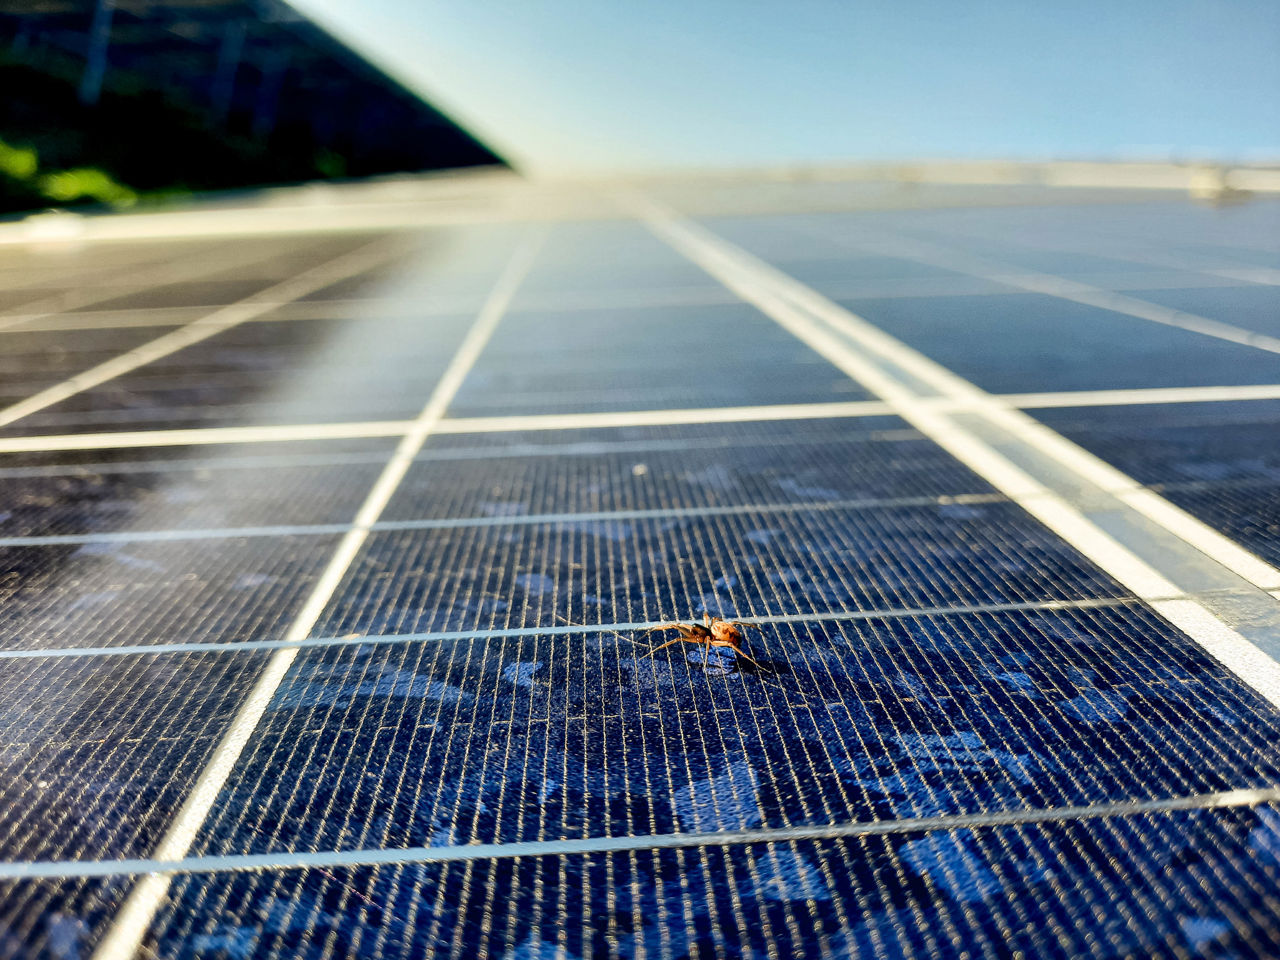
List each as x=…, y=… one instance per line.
x=330, y=559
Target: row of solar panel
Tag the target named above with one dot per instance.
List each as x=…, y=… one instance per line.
x=1182, y=884
x=244, y=373
x=516, y=738
x=536, y=735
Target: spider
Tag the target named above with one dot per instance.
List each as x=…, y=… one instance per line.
x=712, y=632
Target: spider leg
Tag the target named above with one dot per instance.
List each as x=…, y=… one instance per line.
x=680, y=639
x=668, y=626
x=742, y=653
x=683, y=628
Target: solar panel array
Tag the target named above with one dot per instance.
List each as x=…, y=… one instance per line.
x=328, y=561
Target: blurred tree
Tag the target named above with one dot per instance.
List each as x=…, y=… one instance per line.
x=127, y=99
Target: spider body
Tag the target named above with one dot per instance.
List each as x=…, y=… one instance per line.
x=712, y=632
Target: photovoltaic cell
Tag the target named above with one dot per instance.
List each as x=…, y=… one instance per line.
x=206, y=457
x=96, y=764
x=54, y=919
x=1218, y=461
x=220, y=273
x=708, y=435
x=812, y=466
x=1031, y=343
x=1249, y=515
x=1162, y=885
x=1179, y=443
x=172, y=496
x=114, y=594
x=749, y=563
x=658, y=358
x=1238, y=250
x=1166, y=884
x=1063, y=263
x=607, y=257
x=30, y=361
x=1254, y=308
x=852, y=269
x=213, y=293
x=287, y=372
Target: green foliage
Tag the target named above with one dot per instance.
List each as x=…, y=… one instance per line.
x=18, y=163
x=148, y=141
x=21, y=180
x=135, y=146
x=67, y=186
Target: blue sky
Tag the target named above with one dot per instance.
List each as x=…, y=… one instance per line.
x=570, y=86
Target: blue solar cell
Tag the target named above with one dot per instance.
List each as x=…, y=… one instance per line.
x=1160, y=885
x=644, y=359
x=607, y=256
x=1218, y=461
x=1060, y=263
x=99, y=753
x=165, y=496
x=1254, y=308
x=748, y=563
x=843, y=270
x=1240, y=251
x=1032, y=343
x=114, y=594
x=55, y=919
x=1179, y=443
x=822, y=464
x=1248, y=514
x=708, y=435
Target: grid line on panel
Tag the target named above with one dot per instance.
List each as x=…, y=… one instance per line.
x=382, y=526
x=480, y=425
x=289, y=861
x=531, y=631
